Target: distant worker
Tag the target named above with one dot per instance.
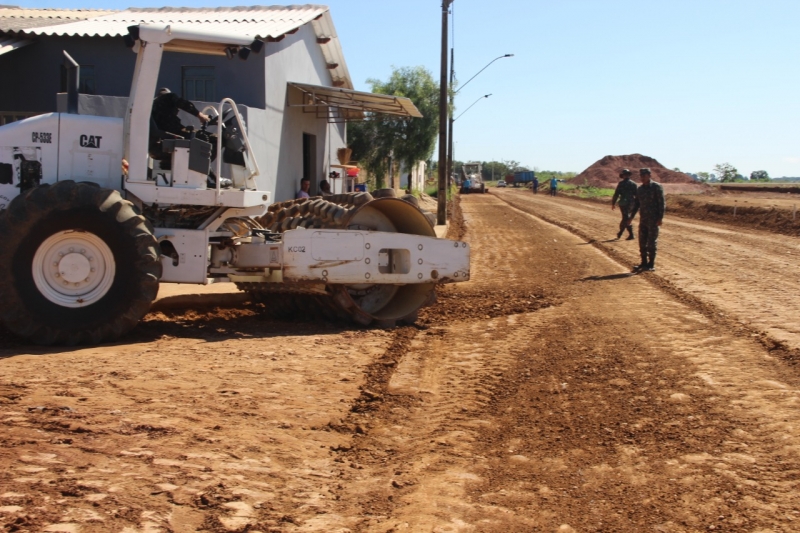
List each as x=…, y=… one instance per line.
x=305, y=186
x=553, y=186
x=535, y=185
x=626, y=194
x=650, y=204
x=325, y=188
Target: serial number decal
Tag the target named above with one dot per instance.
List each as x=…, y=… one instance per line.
x=42, y=137
x=90, y=141
x=297, y=249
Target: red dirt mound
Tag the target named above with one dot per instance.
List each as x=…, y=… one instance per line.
x=605, y=172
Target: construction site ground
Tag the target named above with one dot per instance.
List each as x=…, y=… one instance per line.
x=555, y=392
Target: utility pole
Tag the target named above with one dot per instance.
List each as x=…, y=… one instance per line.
x=450, y=111
x=441, y=197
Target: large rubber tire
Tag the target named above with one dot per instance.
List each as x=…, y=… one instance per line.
x=60, y=233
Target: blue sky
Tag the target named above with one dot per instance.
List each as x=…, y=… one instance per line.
x=692, y=83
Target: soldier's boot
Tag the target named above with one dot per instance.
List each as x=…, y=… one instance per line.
x=619, y=233
x=651, y=265
x=630, y=233
x=643, y=265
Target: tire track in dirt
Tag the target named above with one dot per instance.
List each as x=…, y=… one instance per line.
x=410, y=464
x=616, y=409
x=222, y=434
x=749, y=301
x=555, y=392
x=672, y=428
x=424, y=417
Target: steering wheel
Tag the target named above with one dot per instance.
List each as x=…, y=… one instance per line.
x=214, y=121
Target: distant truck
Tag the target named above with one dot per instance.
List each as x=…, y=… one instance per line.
x=520, y=178
x=471, y=178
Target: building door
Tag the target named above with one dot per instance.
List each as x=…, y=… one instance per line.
x=310, y=159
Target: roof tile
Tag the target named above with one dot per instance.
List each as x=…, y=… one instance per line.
x=18, y=19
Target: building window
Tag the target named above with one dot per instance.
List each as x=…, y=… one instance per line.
x=87, y=83
x=198, y=84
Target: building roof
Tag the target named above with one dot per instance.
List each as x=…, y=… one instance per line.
x=14, y=18
x=270, y=23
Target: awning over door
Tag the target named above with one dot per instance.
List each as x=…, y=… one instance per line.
x=9, y=43
x=339, y=105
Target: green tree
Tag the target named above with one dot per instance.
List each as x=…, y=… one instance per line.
x=405, y=139
x=726, y=172
x=494, y=169
x=759, y=175
x=704, y=176
x=512, y=165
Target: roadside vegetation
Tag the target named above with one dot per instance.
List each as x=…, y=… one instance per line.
x=589, y=192
x=379, y=142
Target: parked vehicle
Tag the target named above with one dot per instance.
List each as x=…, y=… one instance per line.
x=524, y=178
x=471, y=178
x=89, y=234
x=501, y=183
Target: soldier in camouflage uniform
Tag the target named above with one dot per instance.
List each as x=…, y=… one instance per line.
x=651, y=205
x=625, y=192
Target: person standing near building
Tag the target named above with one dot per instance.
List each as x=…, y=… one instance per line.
x=305, y=186
x=651, y=205
x=535, y=185
x=625, y=193
x=325, y=188
x=553, y=186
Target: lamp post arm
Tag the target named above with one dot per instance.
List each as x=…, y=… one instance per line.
x=470, y=107
x=481, y=70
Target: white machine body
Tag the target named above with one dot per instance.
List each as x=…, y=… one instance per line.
x=113, y=153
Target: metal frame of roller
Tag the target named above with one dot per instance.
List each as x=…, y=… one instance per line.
x=377, y=254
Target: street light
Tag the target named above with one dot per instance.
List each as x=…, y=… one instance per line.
x=473, y=103
x=481, y=70
x=452, y=96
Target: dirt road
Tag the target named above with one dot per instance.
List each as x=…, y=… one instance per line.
x=554, y=392
x=750, y=276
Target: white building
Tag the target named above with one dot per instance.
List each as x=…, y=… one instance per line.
x=296, y=94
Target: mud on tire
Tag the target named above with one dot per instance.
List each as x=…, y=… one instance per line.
x=58, y=234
